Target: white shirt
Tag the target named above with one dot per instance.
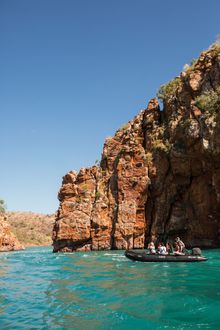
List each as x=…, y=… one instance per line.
x=163, y=250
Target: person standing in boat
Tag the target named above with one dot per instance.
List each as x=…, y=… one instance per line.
x=151, y=248
x=180, y=244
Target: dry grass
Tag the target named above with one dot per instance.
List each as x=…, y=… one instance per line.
x=32, y=229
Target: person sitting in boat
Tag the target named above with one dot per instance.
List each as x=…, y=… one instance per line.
x=162, y=249
x=169, y=248
x=151, y=248
x=180, y=244
x=177, y=250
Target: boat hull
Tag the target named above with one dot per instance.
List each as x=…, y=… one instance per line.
x=144, y=257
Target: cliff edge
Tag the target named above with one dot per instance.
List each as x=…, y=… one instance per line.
x=159, y=176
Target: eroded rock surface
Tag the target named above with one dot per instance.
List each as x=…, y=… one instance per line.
x=8, y=241
x=159, y=176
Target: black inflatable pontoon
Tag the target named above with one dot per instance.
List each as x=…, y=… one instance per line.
x=145, y=257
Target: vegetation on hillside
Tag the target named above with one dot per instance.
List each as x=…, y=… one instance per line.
x=2, y=206
x=209, y=101
x=167, y=90
x=32, y=229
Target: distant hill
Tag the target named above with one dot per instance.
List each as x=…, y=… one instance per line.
x=32, y=229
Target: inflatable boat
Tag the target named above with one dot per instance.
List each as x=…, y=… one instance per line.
x=146, y=257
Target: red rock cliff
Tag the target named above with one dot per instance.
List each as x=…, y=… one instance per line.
x=8, y=241
x=159, y=175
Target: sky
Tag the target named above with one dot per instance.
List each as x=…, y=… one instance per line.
x=74, y=71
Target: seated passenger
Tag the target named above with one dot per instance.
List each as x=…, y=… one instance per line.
x=177, y=250
x=162, y=249
x=169, y=248
x=151, y=248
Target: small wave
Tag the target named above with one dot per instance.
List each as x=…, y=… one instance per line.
x=124, y=294
x=114, y=255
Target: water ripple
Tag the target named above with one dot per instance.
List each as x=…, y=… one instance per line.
x=104, y=290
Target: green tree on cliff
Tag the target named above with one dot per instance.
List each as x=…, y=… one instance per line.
x=2, y=206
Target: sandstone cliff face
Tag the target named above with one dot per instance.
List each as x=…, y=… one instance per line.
x=8, y=241
x=159, y=176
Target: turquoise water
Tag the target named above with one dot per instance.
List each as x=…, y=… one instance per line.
x=104, y=290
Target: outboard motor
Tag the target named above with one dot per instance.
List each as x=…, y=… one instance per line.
x=196, y=252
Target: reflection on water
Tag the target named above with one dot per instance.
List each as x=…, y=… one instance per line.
x=104, y=290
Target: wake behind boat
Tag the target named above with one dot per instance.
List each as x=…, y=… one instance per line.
x=146, y=257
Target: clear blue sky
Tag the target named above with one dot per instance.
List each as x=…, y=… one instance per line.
x=73, y=71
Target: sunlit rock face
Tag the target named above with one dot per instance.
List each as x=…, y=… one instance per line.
x=159, y=176
x=8, y=241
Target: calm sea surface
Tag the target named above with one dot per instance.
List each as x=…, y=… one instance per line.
x=104, y=290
